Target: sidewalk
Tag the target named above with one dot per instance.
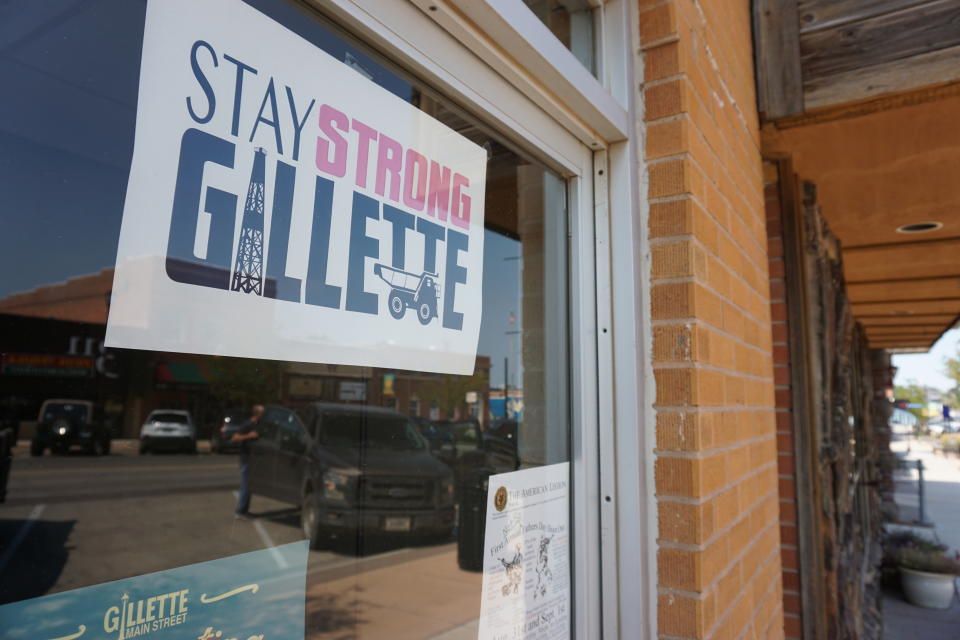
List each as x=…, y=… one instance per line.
x=380, y=605
x=903, y=621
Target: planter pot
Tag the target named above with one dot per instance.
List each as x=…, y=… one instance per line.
x=929, y=590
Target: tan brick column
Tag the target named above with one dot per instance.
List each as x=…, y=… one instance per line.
x=716, y=467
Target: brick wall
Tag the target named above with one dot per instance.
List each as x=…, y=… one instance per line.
x=786, y=466
x=719, y=569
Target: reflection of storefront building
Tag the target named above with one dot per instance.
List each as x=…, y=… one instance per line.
x=43, y=359
x=508, y=407
x=327, y=383
x=134, y=383
x=126, y=385
x=182, y=384
x=424, y=395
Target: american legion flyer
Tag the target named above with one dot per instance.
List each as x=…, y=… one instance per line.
x=526, y=565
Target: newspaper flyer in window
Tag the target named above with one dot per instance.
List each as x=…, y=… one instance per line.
x=526, y=565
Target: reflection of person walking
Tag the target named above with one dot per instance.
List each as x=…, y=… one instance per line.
x=243, y=435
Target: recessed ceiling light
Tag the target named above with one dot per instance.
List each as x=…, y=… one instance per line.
x=920, y=227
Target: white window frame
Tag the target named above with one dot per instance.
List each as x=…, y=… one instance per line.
x=495, y=58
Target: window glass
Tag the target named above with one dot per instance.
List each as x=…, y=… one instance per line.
x=362, y=429
x=267, y=431
x=292, y=435
x=464, y=434
x=572, y=22
x=389, y=479
x=178, y=418
x=59, y=410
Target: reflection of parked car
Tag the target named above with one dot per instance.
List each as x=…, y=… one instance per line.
x=220, y=439
x=67, y=423
x=8, y=439
x=351, y=468
x=506, y=429
x=940, y=427
x=168, y=429
x=440, y=440
x=477, y=448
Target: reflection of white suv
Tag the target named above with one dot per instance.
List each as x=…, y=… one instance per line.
x=168, y=429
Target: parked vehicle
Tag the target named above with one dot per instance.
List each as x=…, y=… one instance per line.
x=479, y=449
x=63, y=424
x=505, y=429
x=349, y=468
x=8, y=440
x=441, y=441
x=168, y=430
x=940, y=427
x=220, y=439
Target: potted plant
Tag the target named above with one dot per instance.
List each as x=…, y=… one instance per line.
x=928, y=576
x=897, y=540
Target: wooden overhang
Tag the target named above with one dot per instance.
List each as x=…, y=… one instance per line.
x=864, y=97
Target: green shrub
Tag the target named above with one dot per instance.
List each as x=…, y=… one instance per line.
x=896, y=541
x=928, y=561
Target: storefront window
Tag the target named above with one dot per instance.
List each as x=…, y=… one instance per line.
x=572, y=22
x=127, y=461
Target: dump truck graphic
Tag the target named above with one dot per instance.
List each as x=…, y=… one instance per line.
x=410, y=291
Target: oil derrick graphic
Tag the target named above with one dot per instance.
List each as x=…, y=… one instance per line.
x=248, y=269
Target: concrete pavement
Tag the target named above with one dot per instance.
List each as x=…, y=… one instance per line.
x=74, y=521
x=903, y=621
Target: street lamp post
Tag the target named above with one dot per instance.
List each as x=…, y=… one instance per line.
x=506, y=373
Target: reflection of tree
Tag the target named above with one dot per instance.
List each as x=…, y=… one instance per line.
x=242, y=382
x=951, y=368
x=914, y=394
x=449, y=392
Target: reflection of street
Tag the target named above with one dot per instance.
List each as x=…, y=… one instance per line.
x=941, y=488
x=79, y=521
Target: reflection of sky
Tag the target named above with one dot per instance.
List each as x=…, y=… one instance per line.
x=66, y=128
x=70, y=70
x=501, y=297
x=927, y=369
x=282, y=587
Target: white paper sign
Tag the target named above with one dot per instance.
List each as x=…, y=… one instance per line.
x=526, y=564
x=281, y=205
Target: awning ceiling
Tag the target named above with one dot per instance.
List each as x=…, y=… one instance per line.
x=874, y=173
x=863, y=97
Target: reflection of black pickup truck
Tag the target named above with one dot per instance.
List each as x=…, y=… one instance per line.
x=67, y=423
x=478, y=450
x=439, y=440
x=351, y=468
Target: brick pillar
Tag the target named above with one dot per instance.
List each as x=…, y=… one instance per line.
x=718, y=555
x=786, y=465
